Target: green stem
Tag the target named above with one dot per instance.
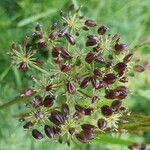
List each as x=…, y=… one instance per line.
x=17, y=100
x=85, y=94
x=141, y=45
x=40, y=69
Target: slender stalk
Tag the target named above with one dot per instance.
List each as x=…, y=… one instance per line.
x=141, y=45
x=85, y=94
x=40, y=69
x=17, y=100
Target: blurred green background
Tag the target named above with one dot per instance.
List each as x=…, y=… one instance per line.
x=129, y=18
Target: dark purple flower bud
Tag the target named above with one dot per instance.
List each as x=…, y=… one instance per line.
x=100, y=59
x=71, y=87
x=95, y=99
x=90, y=57
x=63, y=31
x=111, y=94
x=38, y=34
x=65, y=109
x=28, y=125
x=79, y=109
x=81, y=137
x=116, y=104
x=48, y=87
x=124, y=79
x=92, y=40
x=122, y=92
x=49, y=131
x=84, y=82
x=56, y=51
x=102, y=124
x=88, y=127
x=37, y=101
x=120, y=47
x=23, y=67
x=120, y=67
x=102, y=30
x=128, y=58
x=90, y=23
x=28, y=92
x=65, y=68
x=95, y=82
x=139, y=68
x=98, y=72
x=65, y=54
x=70, y=38
x=71, y=130
x=42, y=44
x=88, y=111
x=89, y=135
x=37, y=134
x=106, y=110
x=57, y=118
x=110, y=78
x=48, y=101
x=53, y=35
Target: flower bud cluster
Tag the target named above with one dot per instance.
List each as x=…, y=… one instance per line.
x=83, y=90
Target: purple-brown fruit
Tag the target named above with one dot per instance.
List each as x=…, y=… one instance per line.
x=106, y=110
x=139, y=68
x=49, y=131
x=111, y=94
x=90, y=23
x=65, y=54
x=110, y=78
x=120, y=47
x=120, y=67
x=57, y=118
x=128, y=58
x=48, y=101
x=88, y=127
x=37, y=134
x=71, y=88
x=28, y=125
x=37, y=101
x=23, y=67
x=102, y=30
x=65, y=68
x=65, y=109
x=98, y=72
x=70, y=39
x=90, y=57
x=84, y=82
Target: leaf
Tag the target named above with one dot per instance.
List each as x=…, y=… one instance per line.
x=113, y=140
x=144, y=93
x=35, y=18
